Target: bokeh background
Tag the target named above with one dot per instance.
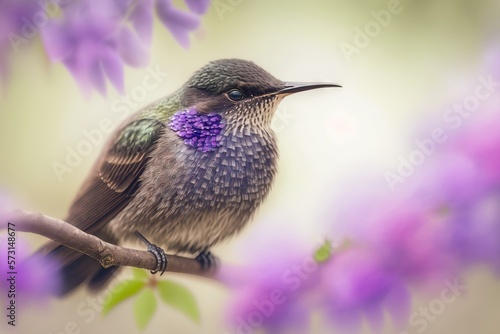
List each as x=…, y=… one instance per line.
x=427, y=57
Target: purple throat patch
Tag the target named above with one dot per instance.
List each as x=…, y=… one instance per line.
x=198, y=130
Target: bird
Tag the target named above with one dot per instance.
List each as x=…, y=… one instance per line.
x=187, y=171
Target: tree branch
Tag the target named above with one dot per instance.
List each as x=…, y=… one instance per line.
x=107, y=254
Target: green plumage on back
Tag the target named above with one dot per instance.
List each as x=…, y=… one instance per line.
x=127, y=156
x=163, y=109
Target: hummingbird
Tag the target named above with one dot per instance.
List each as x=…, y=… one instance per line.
x=187, y=171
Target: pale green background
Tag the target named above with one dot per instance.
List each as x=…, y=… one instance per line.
x=427, y=55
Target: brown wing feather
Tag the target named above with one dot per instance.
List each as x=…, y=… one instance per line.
x=113, y=183
x=125, y=160
x=117, y=176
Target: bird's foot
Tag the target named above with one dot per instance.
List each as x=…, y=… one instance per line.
x=207, y=260
x=158, y=252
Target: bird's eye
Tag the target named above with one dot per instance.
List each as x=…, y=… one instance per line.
x=235, y=95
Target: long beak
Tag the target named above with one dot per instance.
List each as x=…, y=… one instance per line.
x=295, y=87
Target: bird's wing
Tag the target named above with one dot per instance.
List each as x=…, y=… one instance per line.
x=117, y=175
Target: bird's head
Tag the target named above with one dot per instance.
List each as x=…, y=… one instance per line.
x=240, y=91
x=227, y=96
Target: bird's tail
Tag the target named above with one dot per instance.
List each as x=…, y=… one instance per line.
x=75, y=269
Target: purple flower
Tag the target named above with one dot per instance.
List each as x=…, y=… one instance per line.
x=86, y=41
x=94, y=38
x=407, y=229
x=283, y=291
x=474, y=225
x=179, y=23
x=475, y=232
x=444, y=217
x=199, y=7
x=409, y=240
x=283, y=285
x=357, y=285
x=32, y=277
x=134, y=42
x=480, y=142
x=273, y=293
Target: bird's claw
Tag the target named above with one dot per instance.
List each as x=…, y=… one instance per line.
x=158, y=252
x=207, y=260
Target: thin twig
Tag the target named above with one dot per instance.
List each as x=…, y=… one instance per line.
x=107, y=254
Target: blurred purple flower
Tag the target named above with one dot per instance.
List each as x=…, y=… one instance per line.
x=86, y=41
x=480, y=142
x=179, y=23
x=442, y=220
x=33, y=276
x=475, y=229
x=272, y=295
x=476, y=232
x=407, y=238
x=272, y=291
x=94, y=38
x=199, y=7
x=445, y=217
x=357, y=286
x=134, y=45
x=283, y=291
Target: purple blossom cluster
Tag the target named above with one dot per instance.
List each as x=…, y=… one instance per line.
x=94, y=39
x=34, y=280
x=269, y=290
x=281, y=290
x=24, y=279
x=444, y=219
x=198, y=130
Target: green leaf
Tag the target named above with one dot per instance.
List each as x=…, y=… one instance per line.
x=140, y=274
x=323, y=253
x=144, y=308
x=120, y=292
x=180, y=298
